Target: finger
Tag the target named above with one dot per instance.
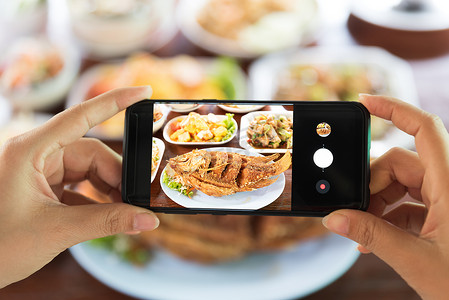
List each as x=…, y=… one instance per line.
x=390, y=195
x=390, y=243
x=362, y=249
x=399, y=165
x=73, y=123
x=69, y=197
x=408, y=216
x=77, y=224
x=431, y=137
x=90, y=159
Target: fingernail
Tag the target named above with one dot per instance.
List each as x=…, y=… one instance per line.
x=149, y=92
x=337, y=223
x=363, y=95
x=145, y=221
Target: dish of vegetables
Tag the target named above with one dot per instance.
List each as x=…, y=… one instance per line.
x=196, y=129
x=267, y=132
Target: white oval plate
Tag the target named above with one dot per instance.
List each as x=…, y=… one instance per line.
x=244, y=124
x=220, y=117
x=263, y=79
x=289, y=274
x=241, y=109
x=242, y=200
x=161, y=146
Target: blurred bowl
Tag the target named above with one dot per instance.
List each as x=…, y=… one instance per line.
x=42, y=94
x=22, y=17
x=106, y=29
x=275, y=31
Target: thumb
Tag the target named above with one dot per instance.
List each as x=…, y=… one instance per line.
x=80, y=223
x=390, y=243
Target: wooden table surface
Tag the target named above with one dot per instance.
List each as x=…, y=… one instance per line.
x=158, y=197
x=369, y=278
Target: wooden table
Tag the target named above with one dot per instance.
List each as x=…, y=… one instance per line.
x=369, y=278
x=158, y=197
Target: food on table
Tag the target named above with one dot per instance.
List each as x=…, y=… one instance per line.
x=180, y=77
x=155, y=157
x=157, y=113
x=333, y=82
x=217, y=173
x=209, y=239
x=31, y=63
x=202, y=128
x=330, y=82
x=270, y=131
x=253, y=23
x=36, y=73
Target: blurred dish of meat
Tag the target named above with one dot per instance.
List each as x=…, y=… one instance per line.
x=321, y=73
x=248, y=28
x=111, y=28
x=36, y=73
x=179, y=77
x=279, y=257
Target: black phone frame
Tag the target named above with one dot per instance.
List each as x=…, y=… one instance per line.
x=136, y=170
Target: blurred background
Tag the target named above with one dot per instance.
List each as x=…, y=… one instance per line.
x=55, y=54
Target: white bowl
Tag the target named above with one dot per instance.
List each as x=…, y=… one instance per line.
x=103, y=37
x=50, y=92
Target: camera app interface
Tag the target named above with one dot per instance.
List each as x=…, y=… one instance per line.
x=229, y=156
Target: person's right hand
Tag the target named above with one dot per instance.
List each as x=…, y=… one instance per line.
x=413, y=239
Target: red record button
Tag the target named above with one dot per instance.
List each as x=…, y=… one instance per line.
x=322, y=186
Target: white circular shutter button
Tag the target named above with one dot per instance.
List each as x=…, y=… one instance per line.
x=323, y=158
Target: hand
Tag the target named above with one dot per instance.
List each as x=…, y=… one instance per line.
x=39, y=219
x=413, y=238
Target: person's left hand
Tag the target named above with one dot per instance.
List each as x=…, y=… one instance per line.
x=39, y=219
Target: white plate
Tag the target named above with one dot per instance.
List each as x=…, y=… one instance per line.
x=264, y=74
x=188, y=10
x=220, y=117
x=182, y=110
x=241, y=109
x=161, y=146
x=244, y=124
x=242, y=200
x=289, y=274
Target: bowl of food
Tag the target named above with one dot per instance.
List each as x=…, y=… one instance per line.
x=107, y=29
x=246, y=29
x=36, y=73
x=196, y=129
x=340, y=74
x=181, y=77
x=267, y=132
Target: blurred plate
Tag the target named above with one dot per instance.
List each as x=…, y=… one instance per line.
x=289, y=274
x=188, y=11
x=79, y=92
x=167, y=133
x=118, y=36
x=21, y=123
x=243, y=200
x=264, y=73
x=240, y=109
x=244, y=124
x=181, y=108
x=161, y=146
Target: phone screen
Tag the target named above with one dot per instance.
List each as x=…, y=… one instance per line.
x=262, y=158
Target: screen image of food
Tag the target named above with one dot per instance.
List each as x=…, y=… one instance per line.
x=227, y=156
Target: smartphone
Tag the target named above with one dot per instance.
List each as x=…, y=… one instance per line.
x=284, y=158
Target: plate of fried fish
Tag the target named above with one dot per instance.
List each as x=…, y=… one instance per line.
x=225, y=178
